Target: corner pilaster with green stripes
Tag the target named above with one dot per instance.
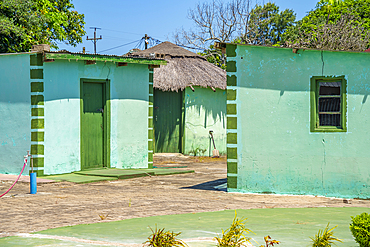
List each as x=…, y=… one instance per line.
x=232, y=117
x=37, y=112
x=150, y=121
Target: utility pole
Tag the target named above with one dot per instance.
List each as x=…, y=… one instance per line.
x=95, y=39
x=146, y=41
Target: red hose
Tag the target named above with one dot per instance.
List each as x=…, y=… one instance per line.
x=25, y=163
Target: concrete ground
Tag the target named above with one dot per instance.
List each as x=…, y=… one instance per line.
x=181, y=202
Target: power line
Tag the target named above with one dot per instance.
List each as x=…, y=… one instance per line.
x=121, y=31
x=120, y=46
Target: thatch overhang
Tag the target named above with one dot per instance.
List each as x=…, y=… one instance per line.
x=184, y=69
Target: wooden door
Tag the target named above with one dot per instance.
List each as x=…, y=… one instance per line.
x=168, y=121
x=92, y=125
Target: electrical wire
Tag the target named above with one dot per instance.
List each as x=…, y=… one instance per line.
x=121, y=31
x=118, y=46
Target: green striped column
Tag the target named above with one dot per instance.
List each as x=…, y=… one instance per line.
x=37, y=112
x=150, y=121
x=232, y=118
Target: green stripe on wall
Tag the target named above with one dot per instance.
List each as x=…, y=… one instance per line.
x=232, y=153
x=231, y=50
x=150, y=145
x=37, y=112
x=150, y=157
x=37, y=87
x=150, y=134
x=37, y=149
x=150, y=122
x=231, y=109
x=232, y=138
x=232, y=167
x=231, y=80
x=150, y=111
x=150, y=77
x=36, y=60
x=231, y=94
x=37, y=123
x=151, y=100
x=231, y=66
x=232, y=182
x=150, y=88
x=37, y=74
x=232, y=123
x=37, y=99
x=37, y=136
x=38, y=162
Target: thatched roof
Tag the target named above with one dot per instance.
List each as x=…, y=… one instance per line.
x=184, y=69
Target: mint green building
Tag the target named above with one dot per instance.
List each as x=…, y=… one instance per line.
x=75, y=111
x=297, y=121
x=189, y=101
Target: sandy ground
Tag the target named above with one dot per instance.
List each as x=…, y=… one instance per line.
x=63, y=204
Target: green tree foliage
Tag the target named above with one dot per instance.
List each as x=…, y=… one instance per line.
x=24, y=23
x=214, y=56
x=343, y=22
x=267, y=24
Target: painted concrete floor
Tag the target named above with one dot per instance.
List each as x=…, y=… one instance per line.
x=97, y=175
x=293, y=227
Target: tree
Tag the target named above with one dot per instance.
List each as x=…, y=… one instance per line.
x=24, y=23
x=332, y=25
x=267, y=24
x=233, y=21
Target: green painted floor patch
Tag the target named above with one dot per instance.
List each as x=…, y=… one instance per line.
x=76, y=178
x=293, y=227
x=131, y=173
x=24, y=241
x=117, y=173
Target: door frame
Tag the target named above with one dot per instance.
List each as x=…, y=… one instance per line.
x=106, y=118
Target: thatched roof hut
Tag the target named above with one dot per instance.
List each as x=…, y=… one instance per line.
x=184, y=69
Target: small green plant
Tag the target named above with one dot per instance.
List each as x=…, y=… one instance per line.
x=234, y=236
x=360, y=228
x=162, y=238
x=197, y=150
x=325, y=238
x=269, y=242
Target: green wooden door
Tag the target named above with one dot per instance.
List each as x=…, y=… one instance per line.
x=92, y=126
x=168, y=121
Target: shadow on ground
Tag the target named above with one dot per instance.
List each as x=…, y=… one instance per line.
x=219, y=184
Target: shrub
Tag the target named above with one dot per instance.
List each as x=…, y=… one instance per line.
x=234, y=236
x=360, y=228
x=162, y=238
x=324, y=238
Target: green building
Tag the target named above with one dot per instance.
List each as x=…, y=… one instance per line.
x=189, y=101
x=297, y=121
x=75, y=111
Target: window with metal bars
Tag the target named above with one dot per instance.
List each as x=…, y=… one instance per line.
x=328, y=104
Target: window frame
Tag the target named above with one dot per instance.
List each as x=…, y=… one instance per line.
x=314, y=96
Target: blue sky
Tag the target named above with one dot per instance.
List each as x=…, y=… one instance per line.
x=125, y=21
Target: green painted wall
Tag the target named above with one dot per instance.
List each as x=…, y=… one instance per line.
x=129, y=113
x=274, y=151
x=15, y=121
x=205, y=110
